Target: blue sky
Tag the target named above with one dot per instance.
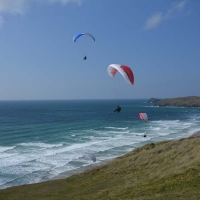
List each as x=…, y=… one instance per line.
x=159, y=40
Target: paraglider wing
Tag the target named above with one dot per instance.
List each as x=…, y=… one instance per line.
x=143, y=116
x=125, y=71
x=80, y=34
x=90, y=156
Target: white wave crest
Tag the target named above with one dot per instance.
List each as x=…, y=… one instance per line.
x=110, y=127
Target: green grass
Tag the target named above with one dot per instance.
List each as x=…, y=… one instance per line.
x=161, y=171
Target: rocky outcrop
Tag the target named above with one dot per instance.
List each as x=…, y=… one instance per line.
x=153, y=100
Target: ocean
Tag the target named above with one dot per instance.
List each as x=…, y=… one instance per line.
x=40, y=140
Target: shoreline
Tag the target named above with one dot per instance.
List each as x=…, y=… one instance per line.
x=197, y=133
x=169, y=168
x=92, y=165
x=79, y=170
x=67, y=174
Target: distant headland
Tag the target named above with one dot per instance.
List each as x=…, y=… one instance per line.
x=154, y=100
x=190, y=101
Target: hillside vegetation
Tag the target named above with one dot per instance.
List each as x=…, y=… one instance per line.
x=192, y=101
x=166, y=170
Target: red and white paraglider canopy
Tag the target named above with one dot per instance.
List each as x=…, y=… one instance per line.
x=143, y=116
x=124, y=70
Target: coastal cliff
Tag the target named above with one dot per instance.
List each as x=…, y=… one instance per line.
x=191, y=101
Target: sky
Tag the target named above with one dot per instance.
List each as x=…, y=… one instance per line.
x=159, y=40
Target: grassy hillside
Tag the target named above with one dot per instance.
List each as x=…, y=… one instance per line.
x=192, y=101
x=166, y=170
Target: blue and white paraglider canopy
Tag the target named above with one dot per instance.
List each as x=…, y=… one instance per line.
x=81, y=34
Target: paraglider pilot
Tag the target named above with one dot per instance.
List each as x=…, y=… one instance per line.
x=85, y=58
x=118, y=109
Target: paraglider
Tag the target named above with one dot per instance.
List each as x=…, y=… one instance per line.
x=143, y=116
x=90, y=156
x=118, y=109
x=86, y=155
x=83, y=34
x=142, y=135
x=125, y=71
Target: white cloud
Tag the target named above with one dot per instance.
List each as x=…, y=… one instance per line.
x=1, y=20
x=175, y=9
x=180, y=5
x=15, y=7
x=154, y=20
x=64, y=2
